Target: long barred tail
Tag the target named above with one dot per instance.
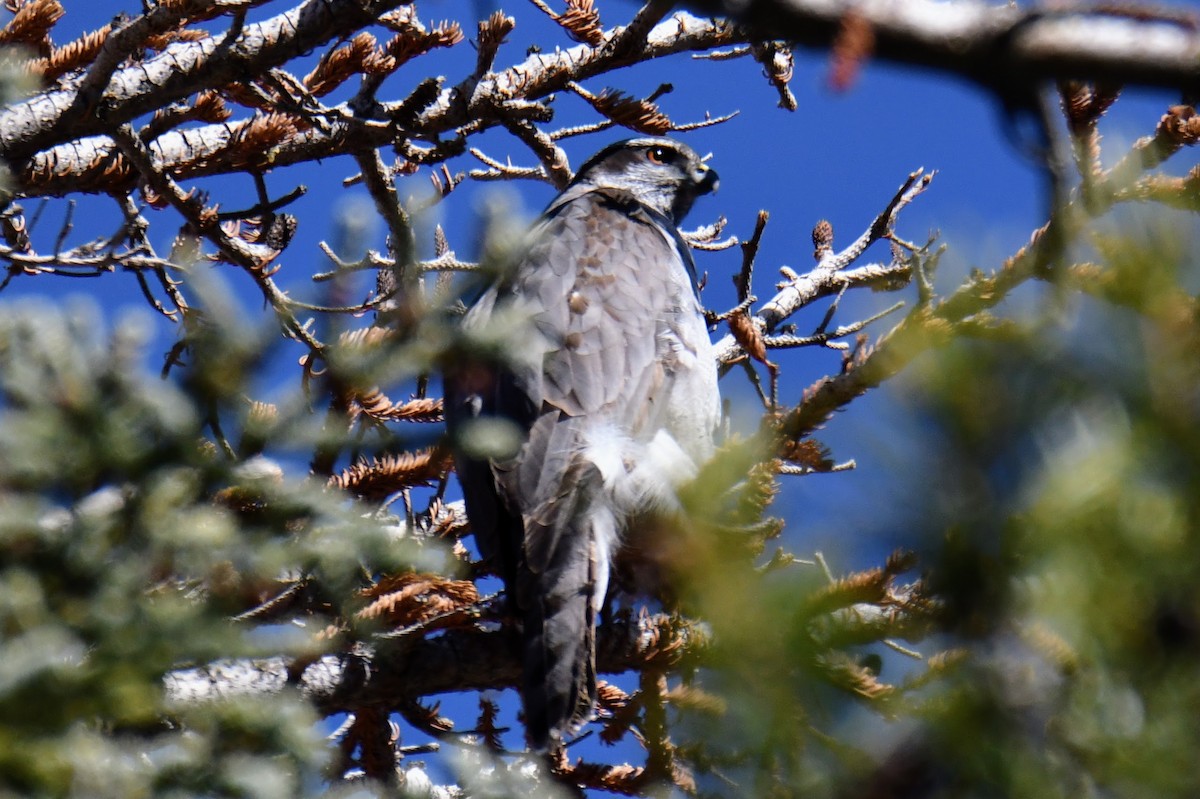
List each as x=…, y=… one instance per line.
x=559, y=688
x=561, y=601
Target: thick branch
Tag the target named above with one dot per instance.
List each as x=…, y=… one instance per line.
x=411, y=667
x=1002, y=46
x=545, y=73
x=66, y=113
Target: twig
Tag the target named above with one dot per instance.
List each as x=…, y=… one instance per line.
x=265, y=206
x=383, y=191
x=67, y=226
x=503, y=171
x=826, y=338
x=633, y=36
x=205, y=223
x=707, y=122
x=802, y=471
x=724, y=55
x=745, y=277
x=826, y=278
x=554, y=160
x=581, y=130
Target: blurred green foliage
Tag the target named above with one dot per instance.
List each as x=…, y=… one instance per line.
x=1059, y=477
x=127, y=541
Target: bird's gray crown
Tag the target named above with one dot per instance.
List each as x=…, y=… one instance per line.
x=663, y=174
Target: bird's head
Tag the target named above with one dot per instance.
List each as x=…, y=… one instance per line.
x=661, y=173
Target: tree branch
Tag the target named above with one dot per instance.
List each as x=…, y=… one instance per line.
x=181, y=69
x=1005, y=48
x=406, y=668
x=78, y=158
x=829, y=276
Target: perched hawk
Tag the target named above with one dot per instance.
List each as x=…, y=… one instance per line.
x=613, y=387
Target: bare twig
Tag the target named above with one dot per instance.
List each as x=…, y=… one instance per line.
x=827, y=339
x=205, y=223
x=827, y=278
x=505, y=171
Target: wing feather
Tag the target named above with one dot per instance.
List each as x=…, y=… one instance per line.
x=597, y=274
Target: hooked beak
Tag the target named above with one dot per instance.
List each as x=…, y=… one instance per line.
x=706, y=179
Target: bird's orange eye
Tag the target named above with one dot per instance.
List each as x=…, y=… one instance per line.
x=658, y=155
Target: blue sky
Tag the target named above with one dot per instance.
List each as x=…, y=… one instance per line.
x=839, y=157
